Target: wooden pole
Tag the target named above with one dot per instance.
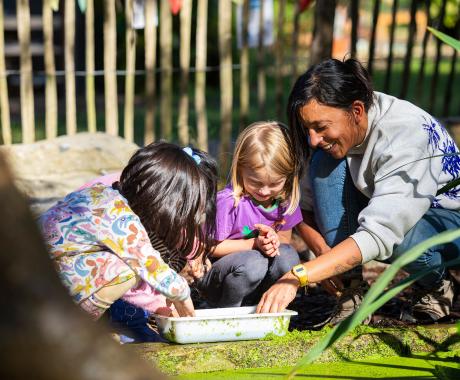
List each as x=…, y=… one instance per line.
x=390, y=52
x=200, y=74
x=51, y=109
x=150, y=37
x=450, y=84
x=69, y=58
x=323, y=33
x=354, y=26
x=130, y=69
x=295, y=44
x=261, y=80
x=409, y=48
x=434, y=78
x=244, y=68
x=26, y=85
x=110, y=67
x=4, y=104
x=185, y=31
x=279, y=61
x=89, y=57
x=375, y=20
x=226, y=82
x=166, y=69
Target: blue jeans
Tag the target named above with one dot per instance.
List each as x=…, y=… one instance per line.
x=131, y=323
x=337, y=204
x=242, y=277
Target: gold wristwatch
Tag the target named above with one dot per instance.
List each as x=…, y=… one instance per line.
x=300, y=272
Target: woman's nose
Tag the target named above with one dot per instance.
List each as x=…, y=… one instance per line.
x=315, y=139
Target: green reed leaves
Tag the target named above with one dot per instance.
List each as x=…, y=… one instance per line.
x=377, y=296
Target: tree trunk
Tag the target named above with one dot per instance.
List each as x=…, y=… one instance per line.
x=323, y=31
x=43, y=334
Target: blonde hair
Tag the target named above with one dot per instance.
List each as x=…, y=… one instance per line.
x=266, y=144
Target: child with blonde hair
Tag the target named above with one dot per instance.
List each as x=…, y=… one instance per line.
x=255, y=216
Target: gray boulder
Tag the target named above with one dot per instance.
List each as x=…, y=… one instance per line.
x=47, y=170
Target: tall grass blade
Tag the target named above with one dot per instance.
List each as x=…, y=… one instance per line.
x=446, y=39
x=449, y=186
x=376, y=292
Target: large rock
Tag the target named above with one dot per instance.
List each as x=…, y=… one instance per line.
x=46, y=171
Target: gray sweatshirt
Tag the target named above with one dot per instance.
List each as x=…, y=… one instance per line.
x=396, y=169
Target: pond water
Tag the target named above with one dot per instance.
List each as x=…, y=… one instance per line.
x=443, y=366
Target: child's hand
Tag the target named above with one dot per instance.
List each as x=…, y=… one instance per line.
x=268, y=241
x=184, y=308
x=194, y=269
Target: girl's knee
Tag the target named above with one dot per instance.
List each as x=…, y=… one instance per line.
x=289, y=254
x=286, y=260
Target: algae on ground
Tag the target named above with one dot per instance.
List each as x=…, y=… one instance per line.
x=278, y=351
x=441, y=366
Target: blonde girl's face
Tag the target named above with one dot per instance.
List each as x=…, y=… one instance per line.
x=261, y=185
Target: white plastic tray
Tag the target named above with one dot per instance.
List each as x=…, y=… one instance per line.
x=225, y=324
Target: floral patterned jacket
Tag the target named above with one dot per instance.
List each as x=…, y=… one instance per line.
x=94, y=238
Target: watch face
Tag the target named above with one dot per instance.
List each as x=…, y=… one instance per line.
x=298, y=270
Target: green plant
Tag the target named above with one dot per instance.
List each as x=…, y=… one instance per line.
x=446, y=39
x=377, y=296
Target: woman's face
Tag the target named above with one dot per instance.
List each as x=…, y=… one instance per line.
x=332, y=129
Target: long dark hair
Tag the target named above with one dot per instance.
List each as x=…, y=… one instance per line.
x=173, y=194
x=332, y=83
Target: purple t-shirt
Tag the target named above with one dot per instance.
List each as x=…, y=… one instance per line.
x=237, y=222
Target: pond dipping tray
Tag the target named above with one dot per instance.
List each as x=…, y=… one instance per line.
x=225, y=324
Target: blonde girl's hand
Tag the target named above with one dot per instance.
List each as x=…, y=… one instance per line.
x=184, y=308
x=267, y=241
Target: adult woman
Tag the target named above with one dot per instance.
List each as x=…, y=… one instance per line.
x=382, y=160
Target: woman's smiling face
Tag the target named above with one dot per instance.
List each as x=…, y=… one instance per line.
x=332, y=129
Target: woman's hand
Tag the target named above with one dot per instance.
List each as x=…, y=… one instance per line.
x=184, y=308
x=280, y=295
x=268, y=241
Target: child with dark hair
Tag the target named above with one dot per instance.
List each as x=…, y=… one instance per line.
x=137, y=233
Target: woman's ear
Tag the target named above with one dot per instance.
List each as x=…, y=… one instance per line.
x=358, y=110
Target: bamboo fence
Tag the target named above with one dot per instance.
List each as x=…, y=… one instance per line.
x=176, y=51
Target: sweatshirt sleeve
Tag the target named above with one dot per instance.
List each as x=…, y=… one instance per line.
x=405, y=183
x=127, y=238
